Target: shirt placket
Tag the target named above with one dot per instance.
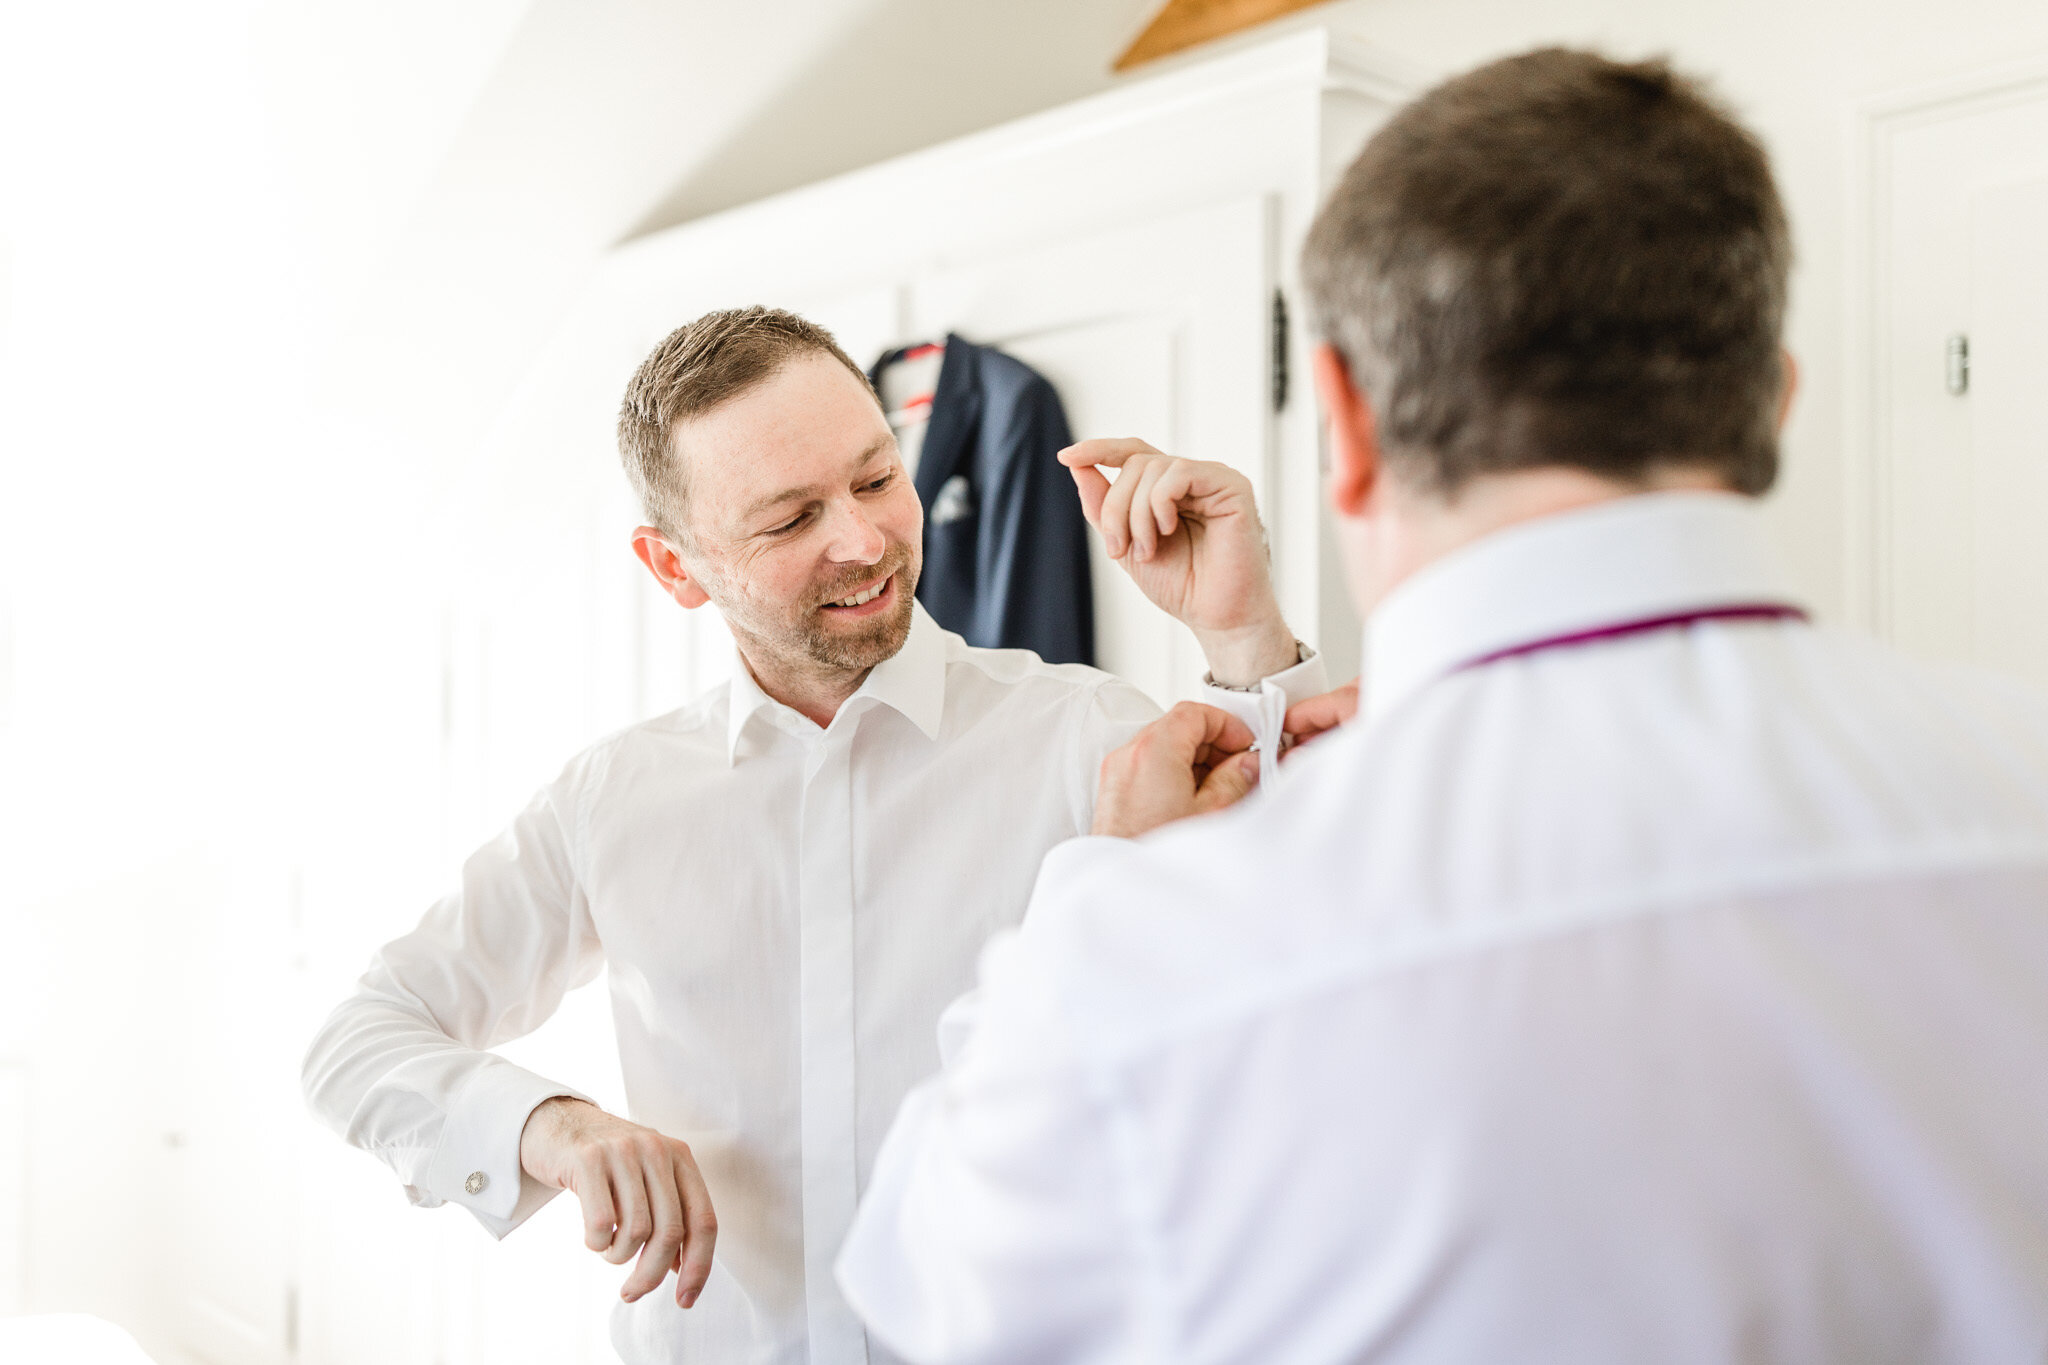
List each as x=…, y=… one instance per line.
x=825, y=968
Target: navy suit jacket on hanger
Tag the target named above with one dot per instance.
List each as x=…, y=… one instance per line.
x=1005, y=544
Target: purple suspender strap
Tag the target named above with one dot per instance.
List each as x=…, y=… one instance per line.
x=1753, y=611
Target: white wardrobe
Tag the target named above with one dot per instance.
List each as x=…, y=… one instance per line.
x=1138, y=248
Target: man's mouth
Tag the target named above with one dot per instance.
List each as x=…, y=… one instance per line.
x=864, y=597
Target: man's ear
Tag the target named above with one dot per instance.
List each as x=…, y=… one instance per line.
x=1355, y=467
x=1788, y=386
x=667, y=566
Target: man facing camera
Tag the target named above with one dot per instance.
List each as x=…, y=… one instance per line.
x=788, y=878
x=1644, y=974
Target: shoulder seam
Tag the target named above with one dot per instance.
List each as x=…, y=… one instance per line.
x=1383, y=961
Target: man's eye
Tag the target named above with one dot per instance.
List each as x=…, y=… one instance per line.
x=879, y=484
x=790, y=525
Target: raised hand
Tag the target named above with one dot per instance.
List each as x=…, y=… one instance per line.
x=1188, y=533
x=640, y=1190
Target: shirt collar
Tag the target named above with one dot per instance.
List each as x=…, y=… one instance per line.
x=912, y=681
x=1627, y=560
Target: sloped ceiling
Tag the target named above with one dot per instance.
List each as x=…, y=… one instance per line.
x=907, y=74
x=603, y=119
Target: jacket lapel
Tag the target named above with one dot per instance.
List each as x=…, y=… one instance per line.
x=956, y=412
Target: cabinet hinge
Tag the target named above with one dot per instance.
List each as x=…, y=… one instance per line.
x=1958, y=354
x=1279, y=377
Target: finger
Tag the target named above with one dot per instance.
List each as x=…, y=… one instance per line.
x=694, y=1266
x=1174, y=483
x=1228, y=782
x=1196, y=728
x=658, y=1257
x=1116, y=508
x=636, y=1220
x=1306, y=719
x=1094, y=487
x=1109, y=450
x=1212, y=753
x=599, y=1214
x=1144, y=530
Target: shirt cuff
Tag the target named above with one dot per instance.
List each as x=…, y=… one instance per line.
x=1264, y=708
x=476, y=1163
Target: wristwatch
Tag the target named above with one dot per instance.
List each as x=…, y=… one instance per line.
x=1302, y=654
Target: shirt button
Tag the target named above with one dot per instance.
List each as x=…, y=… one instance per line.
x=477, y=1183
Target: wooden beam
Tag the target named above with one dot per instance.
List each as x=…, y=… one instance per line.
x=1181, y=24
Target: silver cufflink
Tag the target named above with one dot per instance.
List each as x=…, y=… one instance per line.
x=477, y=1183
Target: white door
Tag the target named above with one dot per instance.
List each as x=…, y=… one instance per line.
x=1961, y=452
x=1155, y=329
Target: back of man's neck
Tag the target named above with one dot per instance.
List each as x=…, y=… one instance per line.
x=1428, y=527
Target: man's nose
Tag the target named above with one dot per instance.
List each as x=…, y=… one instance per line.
x=855, y=537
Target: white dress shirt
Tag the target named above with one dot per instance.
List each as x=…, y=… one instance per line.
x=784, y=911
x=1679, y=996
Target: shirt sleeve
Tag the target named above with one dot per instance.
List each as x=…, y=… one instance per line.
x=1115, y=712
x=1264, y=708
x=399, y=1068
x=997, y=1226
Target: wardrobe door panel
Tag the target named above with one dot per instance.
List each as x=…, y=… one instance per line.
x=1155, y=328
x=1958, y=474
x=2008, y=440
x=1116, y=377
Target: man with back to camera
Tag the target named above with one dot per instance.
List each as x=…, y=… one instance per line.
x=1644, y=975
x=789, y=877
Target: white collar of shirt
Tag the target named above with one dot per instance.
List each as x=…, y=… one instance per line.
x=1635, y=558
x=911, y=681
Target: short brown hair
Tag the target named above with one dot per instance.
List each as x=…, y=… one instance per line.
x=698, y=366
x=1559, y=259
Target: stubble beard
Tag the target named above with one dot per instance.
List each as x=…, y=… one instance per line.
x=872, y=641
x=807, y=641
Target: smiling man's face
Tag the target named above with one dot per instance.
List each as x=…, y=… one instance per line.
x=805, y=531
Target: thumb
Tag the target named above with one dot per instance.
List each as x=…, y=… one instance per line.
x=1093, y=488
x=1229, y=782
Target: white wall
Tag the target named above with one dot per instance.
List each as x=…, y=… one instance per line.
x=266, y=273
